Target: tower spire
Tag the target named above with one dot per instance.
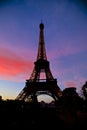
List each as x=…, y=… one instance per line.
x=41, y=48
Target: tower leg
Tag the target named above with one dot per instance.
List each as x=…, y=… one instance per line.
x=34, y=98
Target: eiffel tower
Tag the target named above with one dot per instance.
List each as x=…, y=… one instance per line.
x=36, y=84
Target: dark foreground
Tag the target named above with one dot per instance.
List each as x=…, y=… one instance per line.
x=19, y=115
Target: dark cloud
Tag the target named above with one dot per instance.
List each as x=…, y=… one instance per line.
x=5, y=2
x=81, y=2
x=82, y=5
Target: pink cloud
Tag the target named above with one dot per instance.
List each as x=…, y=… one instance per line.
x=66, y=50
x=13, y=66
x=70, y=84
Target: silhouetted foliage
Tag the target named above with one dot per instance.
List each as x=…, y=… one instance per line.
x=68, y=113
x=0, y=98
x=84, y=90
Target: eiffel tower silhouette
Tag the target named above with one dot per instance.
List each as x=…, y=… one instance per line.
x=36, y=84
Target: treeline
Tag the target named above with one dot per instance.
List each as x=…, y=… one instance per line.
x=69, y=112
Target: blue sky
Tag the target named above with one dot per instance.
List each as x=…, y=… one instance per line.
x=65, y=35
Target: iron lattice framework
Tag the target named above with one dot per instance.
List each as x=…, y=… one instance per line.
x=35, y=84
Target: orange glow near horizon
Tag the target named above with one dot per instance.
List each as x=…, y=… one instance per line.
x=10, y=97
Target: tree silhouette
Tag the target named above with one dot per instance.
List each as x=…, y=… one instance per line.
x=84, y=90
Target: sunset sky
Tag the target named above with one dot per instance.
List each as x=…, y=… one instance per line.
x=65, y=35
